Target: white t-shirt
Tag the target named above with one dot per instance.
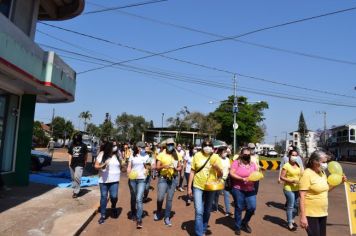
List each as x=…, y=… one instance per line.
x=112, y=171
x=188, y=160
x=137, y=164
x=225, y=166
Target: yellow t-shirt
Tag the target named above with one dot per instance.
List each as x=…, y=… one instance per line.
x=168, y=159
x=207, y=173
x=316, y=197
x=292, y=174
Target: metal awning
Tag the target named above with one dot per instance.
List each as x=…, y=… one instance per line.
x=60, y=9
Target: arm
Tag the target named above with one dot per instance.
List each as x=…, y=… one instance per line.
x=235, y=176
x=159, y=166
x=285, y=179
x=280, y=170
x=303, y=217
x=179, y=166
x=129, y=167
x=190, y=182
x=69, y=160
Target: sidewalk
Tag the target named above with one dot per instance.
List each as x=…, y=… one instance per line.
x=39, y=209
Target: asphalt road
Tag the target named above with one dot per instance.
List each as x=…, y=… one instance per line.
x=270, y=217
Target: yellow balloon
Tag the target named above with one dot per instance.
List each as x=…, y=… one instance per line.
x=334, y=179
x=335, y=168
x=255, y=176
x=133, y=175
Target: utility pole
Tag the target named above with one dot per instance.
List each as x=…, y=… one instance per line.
x=286, y=143
x=235, y=126
x=325, y=135
x=52, y=123
x=161, y=128
x=275, y=141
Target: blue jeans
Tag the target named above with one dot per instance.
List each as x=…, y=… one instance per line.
x=106, y=188
x=243, y=199
x=226, y=200
x=292, y=204
x=203, y=201
x=166, y=186
x=147, y=186
x=137, y=187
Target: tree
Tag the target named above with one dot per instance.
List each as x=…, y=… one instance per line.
x=303, y=132
x=131, y=127
x=68, y=130
x=93, y=130
x=85, y=115
x=249, y=118
x=178, y=122
x=59, y=125
x=204, y=123
x=39, y=135
x=107, y=128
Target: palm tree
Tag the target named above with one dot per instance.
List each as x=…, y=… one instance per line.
x=85, y=115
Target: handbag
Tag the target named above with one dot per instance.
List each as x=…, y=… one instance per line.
x=228, y=183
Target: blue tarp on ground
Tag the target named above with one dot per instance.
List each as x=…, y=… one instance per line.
x=61, y=179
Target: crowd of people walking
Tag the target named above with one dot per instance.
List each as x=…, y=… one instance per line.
x=305, y=187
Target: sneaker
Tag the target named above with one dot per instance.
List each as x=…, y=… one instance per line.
x=228, y=214
x=139, y=225
x=180, y=189
x=245, y=227
x=75, y=195
x=291, y=227
x=188, y=202
x=167, y=222
x=237, y=232
x=101, y=220
x=157, y=217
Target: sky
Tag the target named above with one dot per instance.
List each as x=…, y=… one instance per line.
x=119, y=89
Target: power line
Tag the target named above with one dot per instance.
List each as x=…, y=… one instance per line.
x=207, y=83
x=293, y=52
x=122, y=7
x=182, y=61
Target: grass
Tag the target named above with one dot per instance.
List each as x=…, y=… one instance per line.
x=270, y=158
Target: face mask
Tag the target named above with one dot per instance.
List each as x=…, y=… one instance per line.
x=294, y=158
x=170, y=148
x=142, y=152
x=323, y=166
x=179, y=148
x=114, y=149
x=246, y=157
x=195, y=151
x=208, y=149
x=224, y=155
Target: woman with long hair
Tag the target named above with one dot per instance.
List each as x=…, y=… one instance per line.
x=313, y=190
x=137, y=168
x=169, y=162
x=187, y=163
x=206, y=165
x=290, y=174
x=108, y=165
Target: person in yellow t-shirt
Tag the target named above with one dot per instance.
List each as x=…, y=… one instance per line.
x=291, y=173
x=169, y=162
x=199, y=176
x=313, y=190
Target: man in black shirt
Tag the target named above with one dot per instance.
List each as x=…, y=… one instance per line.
x=78, y=154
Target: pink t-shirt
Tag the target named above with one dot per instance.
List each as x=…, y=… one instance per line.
x=244, y=172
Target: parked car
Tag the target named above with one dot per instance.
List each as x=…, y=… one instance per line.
x=39, y=160
x=272, y=153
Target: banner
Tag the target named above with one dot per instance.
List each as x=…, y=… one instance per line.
x=350, y=189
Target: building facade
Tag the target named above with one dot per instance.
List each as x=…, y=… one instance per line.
x=28, y=75
x=311, y=142
x=343, y=142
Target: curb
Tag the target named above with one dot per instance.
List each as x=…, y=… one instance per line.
x=347, y=162
x=87, y=222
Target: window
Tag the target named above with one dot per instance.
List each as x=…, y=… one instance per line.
x=295, y=136
x=352, y=134
x=5, y=6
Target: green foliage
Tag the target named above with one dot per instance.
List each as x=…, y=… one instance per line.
x=39, y=135
x=303, y=131
x=205, y=124
x=249, y=118
x=130, y=127
x=107, y=130
x=93, y=129
x=62, y=128
x=85, y=115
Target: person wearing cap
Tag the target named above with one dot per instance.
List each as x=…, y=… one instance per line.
x=168, y=165
x=206, y=165
x=108, y=165
x=138, y=165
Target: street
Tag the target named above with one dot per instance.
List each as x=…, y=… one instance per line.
x=270, y=217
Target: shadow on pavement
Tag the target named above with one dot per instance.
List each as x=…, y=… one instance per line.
x=275, y=220
x=277, y=205
x=226, y=221
x=189, y=227
x=83, y=191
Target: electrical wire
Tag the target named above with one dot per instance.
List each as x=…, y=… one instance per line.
x=122, y=7
x=183, y=61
